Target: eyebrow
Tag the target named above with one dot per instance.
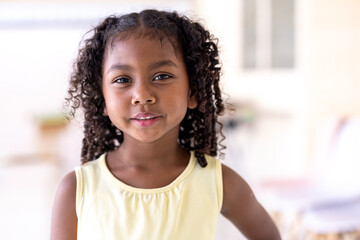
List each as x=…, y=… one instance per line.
x=162, y=63
x=119, y=67
x=151, y=67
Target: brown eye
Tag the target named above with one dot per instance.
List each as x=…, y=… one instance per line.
x=162, y=77
x=122, y=80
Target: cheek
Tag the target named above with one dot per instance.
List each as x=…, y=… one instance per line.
x=180, y=104
x=113, y=104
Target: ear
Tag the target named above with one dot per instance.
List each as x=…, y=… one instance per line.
x=105, y=111
x=192, y=99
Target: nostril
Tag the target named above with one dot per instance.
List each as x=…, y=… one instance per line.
x=139, y=100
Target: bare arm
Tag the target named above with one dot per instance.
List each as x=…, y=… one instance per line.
x=64, y=219
x=243, y=210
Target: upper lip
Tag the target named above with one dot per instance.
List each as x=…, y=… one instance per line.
x=145, y=115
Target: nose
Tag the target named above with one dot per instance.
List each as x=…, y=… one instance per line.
x=143, y=95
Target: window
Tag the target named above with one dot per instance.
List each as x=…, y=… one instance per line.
x=268, y=34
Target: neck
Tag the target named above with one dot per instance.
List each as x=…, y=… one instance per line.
x=148, y=155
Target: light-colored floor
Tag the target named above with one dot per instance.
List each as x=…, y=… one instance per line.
x=25, y=203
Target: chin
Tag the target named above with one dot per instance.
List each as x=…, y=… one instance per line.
x=147, y=139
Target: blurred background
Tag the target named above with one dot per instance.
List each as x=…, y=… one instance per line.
x=290, y=69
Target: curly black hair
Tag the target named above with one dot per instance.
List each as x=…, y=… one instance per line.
x=200, y=127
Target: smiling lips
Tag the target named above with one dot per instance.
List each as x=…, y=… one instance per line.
x=145, y=119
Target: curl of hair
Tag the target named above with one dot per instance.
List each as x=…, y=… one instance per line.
x=199, y=129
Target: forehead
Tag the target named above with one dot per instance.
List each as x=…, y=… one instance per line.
x=142, y=35
x=143, y=47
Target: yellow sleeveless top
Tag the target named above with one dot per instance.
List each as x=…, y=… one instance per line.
x=188, y=208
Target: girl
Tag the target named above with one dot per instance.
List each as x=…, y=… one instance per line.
x=149, y=85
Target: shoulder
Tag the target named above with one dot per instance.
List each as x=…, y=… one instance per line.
x=66, y=190
x=236, y=189
x=92, y=165
x=68, y=184
x=241, y=207
x=64, y=218
x=212, y=162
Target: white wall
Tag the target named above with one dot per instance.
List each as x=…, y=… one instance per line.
x=292, y=105
x=333, y=61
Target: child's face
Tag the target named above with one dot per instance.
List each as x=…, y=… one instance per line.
x=146, y=88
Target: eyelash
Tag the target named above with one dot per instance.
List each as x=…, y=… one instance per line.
x=124, y=80
x=164, y=76
x=116, y=80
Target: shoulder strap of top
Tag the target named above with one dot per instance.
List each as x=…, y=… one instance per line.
x=79, y=190
x=219, y=181
x=215, y=163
